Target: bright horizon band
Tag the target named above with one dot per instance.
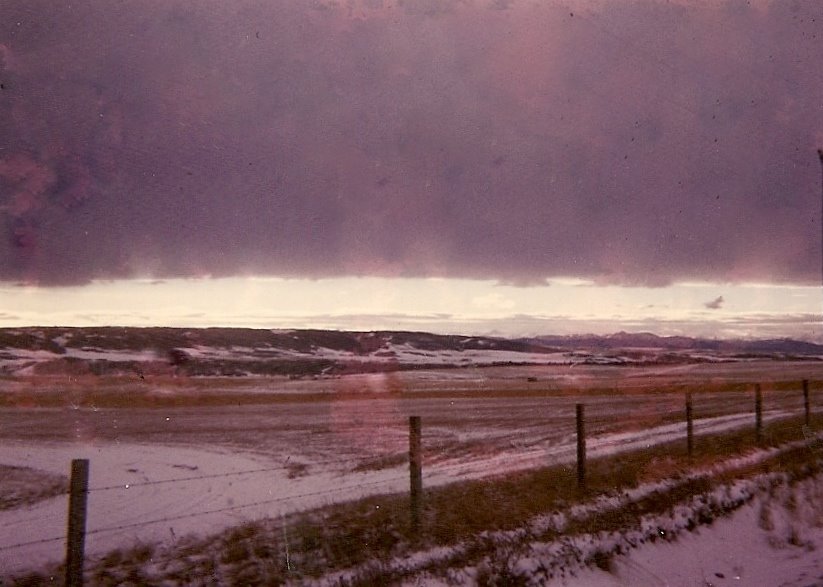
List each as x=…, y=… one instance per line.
x=563, y=306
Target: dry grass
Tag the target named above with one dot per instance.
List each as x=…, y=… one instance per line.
x=382, y=462
x=133, y=392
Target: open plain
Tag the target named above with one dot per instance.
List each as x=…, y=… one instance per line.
x=174, y=457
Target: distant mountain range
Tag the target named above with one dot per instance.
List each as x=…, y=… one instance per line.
x=320, y=353
x=625, y=340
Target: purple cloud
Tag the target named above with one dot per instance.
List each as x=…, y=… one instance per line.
x=634, y=143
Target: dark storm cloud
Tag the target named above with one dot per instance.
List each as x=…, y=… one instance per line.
x=632, y=142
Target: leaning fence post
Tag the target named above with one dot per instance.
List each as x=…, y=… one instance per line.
x=581, y=447
x=689, y=426
x=806, y=407
x=75, y=544
x=415, y=471
x=758, y=412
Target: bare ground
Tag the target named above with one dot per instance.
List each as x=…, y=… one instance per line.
x=23, y=486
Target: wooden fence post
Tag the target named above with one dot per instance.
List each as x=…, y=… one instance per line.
x=806, y=406
x=75, y=543
x=758, y=412
x=581, y=447
x=689, y=426
x=415, y=472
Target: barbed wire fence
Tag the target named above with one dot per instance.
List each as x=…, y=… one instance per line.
x=79, y=491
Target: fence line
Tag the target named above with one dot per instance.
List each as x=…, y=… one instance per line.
x=580, y=417
x=129, y=485
x=80, y=489
x=689, y=426
x=415, y=472
x=758, y=412
x=31, y=542
x=241, y=506
x=210, y=512
x=76, y=539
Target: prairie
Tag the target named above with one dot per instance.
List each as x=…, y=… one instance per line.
x=178, y=459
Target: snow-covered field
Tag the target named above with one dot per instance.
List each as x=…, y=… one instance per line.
x=776, y=539
x=158, y=474
x=765, y=530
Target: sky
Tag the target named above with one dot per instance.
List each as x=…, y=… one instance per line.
x=481, y=166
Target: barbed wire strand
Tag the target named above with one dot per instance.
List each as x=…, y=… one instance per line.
x=128, y=485
x=242, y=506
x=31, y=543
x=208, y=512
